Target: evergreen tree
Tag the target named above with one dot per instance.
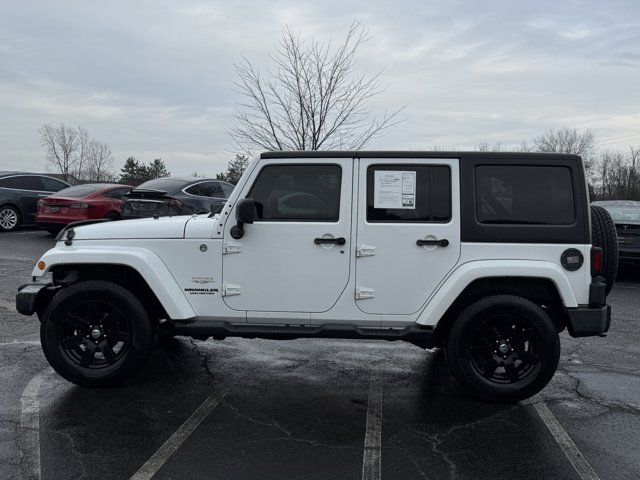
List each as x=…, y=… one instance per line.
x=157, y=169
x=235, y=169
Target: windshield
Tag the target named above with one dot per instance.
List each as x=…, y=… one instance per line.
x=162, y=184
x=623, y=213
x=79, y=191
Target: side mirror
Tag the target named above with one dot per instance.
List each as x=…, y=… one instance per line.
x=246, y=210
x=245, y=213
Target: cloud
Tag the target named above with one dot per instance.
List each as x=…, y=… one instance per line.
x=155, y=78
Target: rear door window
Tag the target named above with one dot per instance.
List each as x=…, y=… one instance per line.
x=213, y=189
x=525, y=195
x=227, y=189
x=22, y=182
x=205, y=189
x=117, y=193
x=79, y=191
x=408, y=193
x=52, y=185
x=305, y=193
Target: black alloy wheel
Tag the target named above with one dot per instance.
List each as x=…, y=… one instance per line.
x=503, y=348
x=96, y=333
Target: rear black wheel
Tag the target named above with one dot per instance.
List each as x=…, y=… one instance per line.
x=96, y=333
x=503, y=348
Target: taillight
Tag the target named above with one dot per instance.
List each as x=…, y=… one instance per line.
x=79, y=205
x=596, y=261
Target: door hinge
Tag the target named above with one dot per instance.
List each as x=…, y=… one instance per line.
x=365, y=250
x=231, y=247
x=364, y=293
x=229, y=289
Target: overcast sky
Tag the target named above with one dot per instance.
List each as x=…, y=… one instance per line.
x=154, y=79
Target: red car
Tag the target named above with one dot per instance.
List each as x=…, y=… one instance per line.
x=81, y=202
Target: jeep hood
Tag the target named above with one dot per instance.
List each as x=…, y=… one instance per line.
x=163, y=227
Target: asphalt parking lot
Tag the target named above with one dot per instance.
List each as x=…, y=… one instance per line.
x=303, y=409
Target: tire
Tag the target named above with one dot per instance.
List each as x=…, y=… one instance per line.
x=605, y=236
x=503, y=348
x=96, y=334
x=113, y=216
x=10, y=218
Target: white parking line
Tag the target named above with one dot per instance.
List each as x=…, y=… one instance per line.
x=561, y=436
x=16, y=342
x=158, y=459
x=372, y=458
x=30, y=430
x=17, y=259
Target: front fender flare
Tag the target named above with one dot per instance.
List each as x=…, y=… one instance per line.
x=465, y=274
x=146, y=262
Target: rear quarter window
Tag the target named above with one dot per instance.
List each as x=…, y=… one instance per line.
x=525, y=195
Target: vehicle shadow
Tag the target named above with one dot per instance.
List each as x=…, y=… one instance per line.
x=292, y=410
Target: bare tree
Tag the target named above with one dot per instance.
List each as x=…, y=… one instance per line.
x=98, y=162
x=72, y=151
x=61, y=145
x=84, y=145
x=568, y=140
x=314, y=99
x=618, y=175
x=485, y=146
x=633, y=180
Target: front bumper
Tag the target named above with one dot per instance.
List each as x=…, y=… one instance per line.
x=28, y=296
x=588, y=321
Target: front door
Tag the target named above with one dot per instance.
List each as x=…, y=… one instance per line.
x=295, y=256
x=408, y=233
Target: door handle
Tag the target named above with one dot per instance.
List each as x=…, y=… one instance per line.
x=326, y=241
x=438, y=243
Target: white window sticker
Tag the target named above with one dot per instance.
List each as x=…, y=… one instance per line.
x=394, y=189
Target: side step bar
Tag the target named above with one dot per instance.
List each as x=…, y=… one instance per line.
x=416, y=334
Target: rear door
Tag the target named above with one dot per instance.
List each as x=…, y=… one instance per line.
x=28, y=189
x=295, y=256
x=408, y=233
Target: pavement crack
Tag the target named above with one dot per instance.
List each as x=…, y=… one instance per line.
x=287, y=435
x=75, y=452
x=578, y=390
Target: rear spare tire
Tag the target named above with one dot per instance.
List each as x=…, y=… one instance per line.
x=604, y=236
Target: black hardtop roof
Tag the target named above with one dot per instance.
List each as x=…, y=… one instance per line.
x=416, y=154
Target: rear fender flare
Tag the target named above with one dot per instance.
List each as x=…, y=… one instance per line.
x=465, y=274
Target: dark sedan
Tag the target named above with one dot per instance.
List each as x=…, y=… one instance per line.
x=175, y=196
x=626, y=216
x=19, y=195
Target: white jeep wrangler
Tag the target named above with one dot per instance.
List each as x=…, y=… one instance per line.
x=487, y=255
